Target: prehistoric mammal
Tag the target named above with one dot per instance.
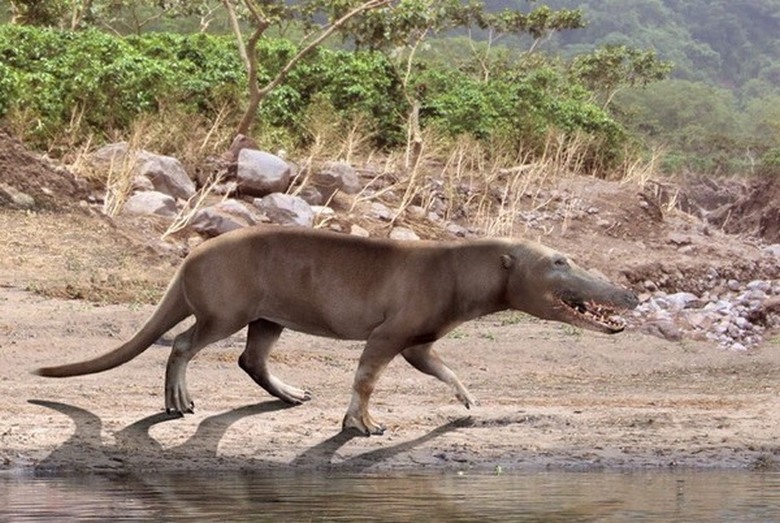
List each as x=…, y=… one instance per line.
x=398, y=296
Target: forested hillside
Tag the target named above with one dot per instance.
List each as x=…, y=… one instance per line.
x=725, y=42
x=720, y=110
x=593, y=67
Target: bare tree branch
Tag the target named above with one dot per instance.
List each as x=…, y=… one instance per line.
x=237, y=31
x=256, y=94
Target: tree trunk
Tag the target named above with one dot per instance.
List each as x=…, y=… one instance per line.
x=256, y=94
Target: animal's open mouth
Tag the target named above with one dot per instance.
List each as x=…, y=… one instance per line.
x=594, y=314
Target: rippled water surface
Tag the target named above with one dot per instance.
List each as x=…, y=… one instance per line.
x=260, y=496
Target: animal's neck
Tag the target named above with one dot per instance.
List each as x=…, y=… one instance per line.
x=480, y=280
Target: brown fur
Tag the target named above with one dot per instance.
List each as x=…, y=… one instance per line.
x=398, y=296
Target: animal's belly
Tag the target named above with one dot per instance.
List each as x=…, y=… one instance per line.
x=343, y=330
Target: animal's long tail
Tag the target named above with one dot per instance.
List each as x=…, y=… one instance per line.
x=173, y=308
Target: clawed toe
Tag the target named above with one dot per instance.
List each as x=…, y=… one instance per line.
x=181, y=411
x=366, y=427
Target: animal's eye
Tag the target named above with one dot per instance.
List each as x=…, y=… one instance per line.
x=561, y=262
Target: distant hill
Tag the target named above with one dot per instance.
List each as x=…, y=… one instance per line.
x=722, y=42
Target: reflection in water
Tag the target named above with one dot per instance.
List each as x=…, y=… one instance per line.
x=267, y=496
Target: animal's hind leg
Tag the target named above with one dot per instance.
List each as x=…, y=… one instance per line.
x=254, y=361
x=185, y=347
x=427, y=360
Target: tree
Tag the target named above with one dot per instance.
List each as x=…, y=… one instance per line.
x=274, y=13
x=612, y=68
x=118, y=16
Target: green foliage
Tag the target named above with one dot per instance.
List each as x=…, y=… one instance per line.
x=8, y=87
x=719, y=41
x=39, y=13
x=205, y=70
x=699, y=123
x=520, y=106
x=54, y=75
x=62, y=74
x=110, y=81
x=608, y=69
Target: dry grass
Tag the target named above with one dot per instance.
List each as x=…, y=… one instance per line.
x=196, y=202
x=91, y=258
x=639, y=170
x=189, y=138
x=486, y=186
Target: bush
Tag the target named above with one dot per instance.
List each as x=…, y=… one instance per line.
x=521, y=107
x=51, y=76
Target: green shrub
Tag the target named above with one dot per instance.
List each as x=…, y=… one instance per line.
x=61, y=74
x=521, y=107
x=107, y=82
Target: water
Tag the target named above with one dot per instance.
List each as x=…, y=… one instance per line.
x=728, y=496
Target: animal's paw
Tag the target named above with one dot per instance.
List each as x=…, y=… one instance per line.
x=467, y=399
x=178, y=402
x=283, y=391
x=293, y=395
x=363, y=424
x=180, y=412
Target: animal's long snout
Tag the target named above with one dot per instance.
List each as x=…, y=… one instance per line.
x=630, y=300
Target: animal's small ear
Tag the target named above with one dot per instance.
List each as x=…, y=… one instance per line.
x=507, y=261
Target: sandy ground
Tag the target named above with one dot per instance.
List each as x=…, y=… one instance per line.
x=551, y=397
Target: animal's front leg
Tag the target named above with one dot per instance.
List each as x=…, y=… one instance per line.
x=425, y=359
x=377, y=354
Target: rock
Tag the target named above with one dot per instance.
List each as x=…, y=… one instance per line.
x=221, y=218
x=456, y=230
x=286, y=209
x=260, y=173
x=16, y=197
x=404, y=234
x=239, y=143
x=114, y=155
x=680, y=239
x=699, y=320
x=357, y=230
x=142, y=183
x=416, y=212
x=237, y=209
x=662, y=329
x=733, y=285
x=718, y=306
x=380, y=211
x=167, y=174
x=682, y=300
x=311, y=195
x=323, y=211
x=151, y=202
x=751, y=299
x=336, y=176
x=760, y=285
x=773, y=250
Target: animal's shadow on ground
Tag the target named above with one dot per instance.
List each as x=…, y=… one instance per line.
x=87, y=450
